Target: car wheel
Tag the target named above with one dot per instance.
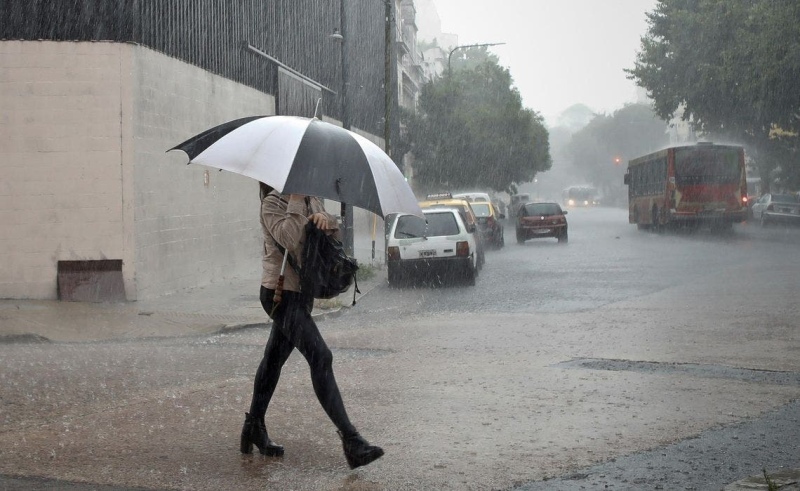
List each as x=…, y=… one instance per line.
x=563, y=238
x=502, y=242
x=393, y=276
x=763, y=220
x=469, y=275
x=520, y=238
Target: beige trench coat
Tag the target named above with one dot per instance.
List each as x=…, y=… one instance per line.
x=284, y=223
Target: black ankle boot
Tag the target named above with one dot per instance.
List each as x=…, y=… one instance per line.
x=358, y=451
x=254, y=432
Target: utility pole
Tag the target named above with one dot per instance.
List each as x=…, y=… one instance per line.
x=388, y=86
x=346, y=210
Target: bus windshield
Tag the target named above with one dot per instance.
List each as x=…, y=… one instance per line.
x=707, y=165
x=581, y=193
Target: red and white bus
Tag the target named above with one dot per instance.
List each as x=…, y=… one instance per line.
x=691, y=185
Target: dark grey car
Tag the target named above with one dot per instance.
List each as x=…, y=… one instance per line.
x=777, y=208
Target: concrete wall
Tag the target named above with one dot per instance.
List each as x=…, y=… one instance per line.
x=193, y=224
x=84, y=129
x=60, y=147
x=84, y=133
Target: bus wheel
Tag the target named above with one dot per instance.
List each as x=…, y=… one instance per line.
x=639, y=226
x=655, y=217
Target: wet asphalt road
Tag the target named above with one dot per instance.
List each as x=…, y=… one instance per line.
x=623, y=360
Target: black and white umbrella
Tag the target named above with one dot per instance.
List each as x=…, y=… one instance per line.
x=306, y=156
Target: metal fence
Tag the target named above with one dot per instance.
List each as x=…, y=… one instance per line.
x=215, y=35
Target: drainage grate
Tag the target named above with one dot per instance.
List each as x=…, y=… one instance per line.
x=692, y=369
x=90, y=281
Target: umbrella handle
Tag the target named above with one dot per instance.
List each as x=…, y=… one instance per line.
x=283, y=264
x=276, y=298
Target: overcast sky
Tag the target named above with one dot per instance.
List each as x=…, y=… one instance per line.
x=559, y=52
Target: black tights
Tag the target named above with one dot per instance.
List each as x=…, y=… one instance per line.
x=293, y=327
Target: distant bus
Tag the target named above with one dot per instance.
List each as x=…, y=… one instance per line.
x=692, y=185
x=580, y=196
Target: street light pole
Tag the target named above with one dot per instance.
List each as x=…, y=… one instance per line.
x=450, y=67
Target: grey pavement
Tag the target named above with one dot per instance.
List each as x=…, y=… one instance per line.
x=203, y=310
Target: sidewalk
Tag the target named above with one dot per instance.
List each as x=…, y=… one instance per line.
x=785, y=480
x=219, y=306
x=197, y=311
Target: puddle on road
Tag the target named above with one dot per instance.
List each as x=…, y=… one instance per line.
x=691, y=369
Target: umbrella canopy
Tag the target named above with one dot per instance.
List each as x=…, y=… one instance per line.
x=306, y=156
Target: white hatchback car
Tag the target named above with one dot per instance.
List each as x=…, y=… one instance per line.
x=438, y=247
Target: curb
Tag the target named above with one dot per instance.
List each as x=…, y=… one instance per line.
x=27, y=338
x=785, y=480
x=328, y=314
x=230, y=328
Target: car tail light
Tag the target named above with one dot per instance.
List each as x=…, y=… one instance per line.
x=744, y=200
x=462, y=248
x=490, y=221
x=394, y=253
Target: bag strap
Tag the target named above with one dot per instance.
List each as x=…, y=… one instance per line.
x=355, y=287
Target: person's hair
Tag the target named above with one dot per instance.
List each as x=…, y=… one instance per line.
x=264, y=189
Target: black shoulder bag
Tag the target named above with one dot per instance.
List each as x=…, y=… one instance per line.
x=327, y=270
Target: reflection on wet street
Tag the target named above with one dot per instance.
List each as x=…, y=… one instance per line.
x=464, y=387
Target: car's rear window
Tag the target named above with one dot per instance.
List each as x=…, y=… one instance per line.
x=481, y=209
x=784, y=198
x=409, y=226
x=543, y=209
x=439, y=224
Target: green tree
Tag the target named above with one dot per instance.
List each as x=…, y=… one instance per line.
x=471, y=130
x=600, y=150
x=733, y=68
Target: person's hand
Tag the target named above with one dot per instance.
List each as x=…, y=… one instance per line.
x=320, y=220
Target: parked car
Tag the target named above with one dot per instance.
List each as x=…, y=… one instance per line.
x=517, y=200
x=777, y=208
x=440, y=200
x=437, y=248
x=537, y=220
x=474, y=197
x=489, y=224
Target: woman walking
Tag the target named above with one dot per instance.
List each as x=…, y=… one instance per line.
x=283, y=221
